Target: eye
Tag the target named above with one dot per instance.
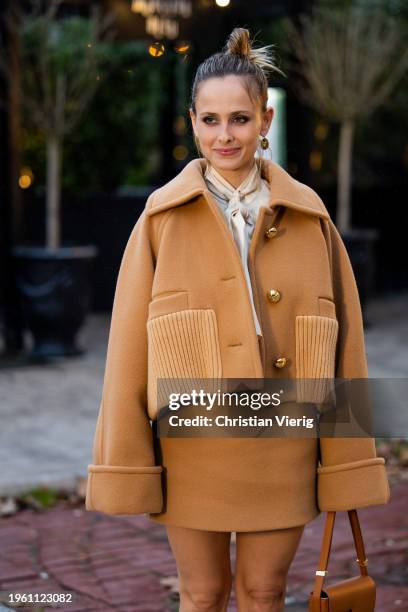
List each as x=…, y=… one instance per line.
x=238, y=119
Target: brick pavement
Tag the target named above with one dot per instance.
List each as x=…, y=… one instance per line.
x=125, y=563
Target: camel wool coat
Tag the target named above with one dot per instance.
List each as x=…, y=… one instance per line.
x=182, y=310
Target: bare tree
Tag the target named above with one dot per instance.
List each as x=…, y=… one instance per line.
x=63, y=61
x=350, y=59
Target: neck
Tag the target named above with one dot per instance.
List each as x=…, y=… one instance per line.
x=236, y=176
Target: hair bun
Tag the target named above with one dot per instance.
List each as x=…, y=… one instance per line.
x=239, y=43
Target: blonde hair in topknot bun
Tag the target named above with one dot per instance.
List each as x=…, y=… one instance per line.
x=239, y=58
x=239, y=43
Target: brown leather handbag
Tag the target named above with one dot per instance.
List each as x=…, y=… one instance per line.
x=355, y=594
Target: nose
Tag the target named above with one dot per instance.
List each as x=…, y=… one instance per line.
x=224, y=134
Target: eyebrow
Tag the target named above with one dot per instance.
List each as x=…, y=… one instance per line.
x=238, y=112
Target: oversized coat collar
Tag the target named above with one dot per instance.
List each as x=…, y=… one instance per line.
x=285, y=190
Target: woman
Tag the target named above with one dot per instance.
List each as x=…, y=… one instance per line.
x=234, y=269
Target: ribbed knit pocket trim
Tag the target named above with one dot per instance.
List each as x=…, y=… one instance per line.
x=316, y=338
x=181, y=345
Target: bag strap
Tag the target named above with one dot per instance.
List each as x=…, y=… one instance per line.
x=326, y=546
x=358, y=542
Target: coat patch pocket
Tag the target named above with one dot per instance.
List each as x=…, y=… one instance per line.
x=182, y=345
x=168, y=302
x=316, y=339
x=327, y=307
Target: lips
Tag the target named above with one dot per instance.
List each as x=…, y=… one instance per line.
x=227, y=151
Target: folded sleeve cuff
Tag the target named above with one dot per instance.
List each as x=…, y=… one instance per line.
x=357, y=484
x=124, y=490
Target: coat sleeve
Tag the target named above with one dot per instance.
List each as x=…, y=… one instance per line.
x=123, y=478
x=349, y=475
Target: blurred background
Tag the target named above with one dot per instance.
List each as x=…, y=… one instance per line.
x=93, y=117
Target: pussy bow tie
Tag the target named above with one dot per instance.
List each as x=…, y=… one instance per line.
x=238, y=203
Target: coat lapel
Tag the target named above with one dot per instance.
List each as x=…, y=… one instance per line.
x=285, y=190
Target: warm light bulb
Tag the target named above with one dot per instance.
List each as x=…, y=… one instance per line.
x=321, y=131
x=315, y=160
x=181, y=47
x=179, y=125
x=24, y=181
x=26, y=177
x=222, y=3
x=156, y=49
x=180, y=152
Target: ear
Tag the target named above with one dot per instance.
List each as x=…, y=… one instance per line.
x=267, y=120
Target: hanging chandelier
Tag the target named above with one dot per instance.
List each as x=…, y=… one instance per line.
x=162, y=16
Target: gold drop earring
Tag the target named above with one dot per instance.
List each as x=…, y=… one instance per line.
x=264, y=143
x=265, y=150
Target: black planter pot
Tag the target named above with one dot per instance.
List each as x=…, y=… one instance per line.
x=55, y=292
x=360, y=245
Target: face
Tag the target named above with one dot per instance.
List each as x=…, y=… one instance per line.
x=228, y=125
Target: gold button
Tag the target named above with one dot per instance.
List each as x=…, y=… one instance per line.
x=273, y=295
x=280, y=362
x=271, y=232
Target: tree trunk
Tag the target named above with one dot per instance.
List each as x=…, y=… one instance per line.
x=343, y=220
x=53, y=237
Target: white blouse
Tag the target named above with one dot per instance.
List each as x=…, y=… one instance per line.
x=240, y=208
